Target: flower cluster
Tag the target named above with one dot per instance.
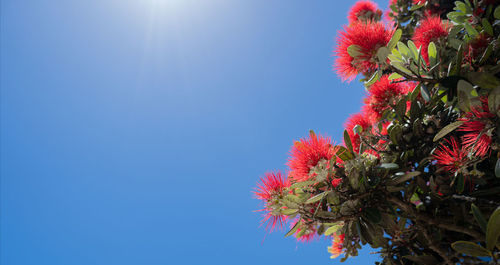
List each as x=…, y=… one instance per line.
x=423, y=146
x=337, y=244
x=364, y=11
x=357, y=48
x=431, y=29
x=270, y=189
x=307, y=153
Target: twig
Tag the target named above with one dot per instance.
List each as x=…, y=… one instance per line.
x=413, y=78
x=472, y=199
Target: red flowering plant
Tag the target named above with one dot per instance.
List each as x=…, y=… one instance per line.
x=417, y=175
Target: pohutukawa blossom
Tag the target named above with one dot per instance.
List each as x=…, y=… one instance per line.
x=382, y=94
x=306, y=232
x=336, y=181
x=360, y=119
x=337, y=245
x=364, y=11
x=368, y=37
x=450, y=156
x=387, y=12
x=476, y=47
x=307, y=153
x=479, y=129
x=431, y=28
x=271, y=188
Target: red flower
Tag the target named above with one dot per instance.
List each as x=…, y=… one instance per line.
x=430, y=29
x=419, y=2
x=382, y=94
x=364, y=11
x=271, y=187
x=306, y=232
x=387, y=12
x=476, y=47
x=336, y=182
x=306, y=154
x=451, y=159
x=369, y=37
x=479, y=128
x=337, y=244
x=360, y=119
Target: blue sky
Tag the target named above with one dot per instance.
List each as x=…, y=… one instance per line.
x=132, y=132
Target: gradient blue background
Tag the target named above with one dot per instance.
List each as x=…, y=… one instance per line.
x=132, y=132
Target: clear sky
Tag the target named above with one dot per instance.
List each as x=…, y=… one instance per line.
x=132, y=132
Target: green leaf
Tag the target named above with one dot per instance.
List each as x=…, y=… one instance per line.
x=486, y=54
x=415, y=109
x=494, y=100
x=293, y=198
x=382, y=54
x=413, y=50
x=463, y=101
x=415, y=7
x=432, y=52
x=458, y=59
x=416, y=91
x=425, y=93
x=483, y=79
x=302, y=184
x=471, y=30
x=479, y=217
x=404, y=178
x=395, y=134
x=447, y=129
x=343, y=153
x=289, y=211
x=394, y=76
x=354, y=51
x=357, y=129
x=496, y=13
x=465, y=86
x=401, y=67
x=470, y=248
x=394, y=40
x=326, y=214
x=455, y=43
x=317, y=197
x=400, y=109
x=293, y=230
x=374, y=78
x=487, y=26
x=333, y=229
x=403, y=50
x=457, y=17
x=394, y=58
x=493, y=229
x=460, y=6
x=347, y=141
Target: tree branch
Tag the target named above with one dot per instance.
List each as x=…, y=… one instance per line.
x=413, y=78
